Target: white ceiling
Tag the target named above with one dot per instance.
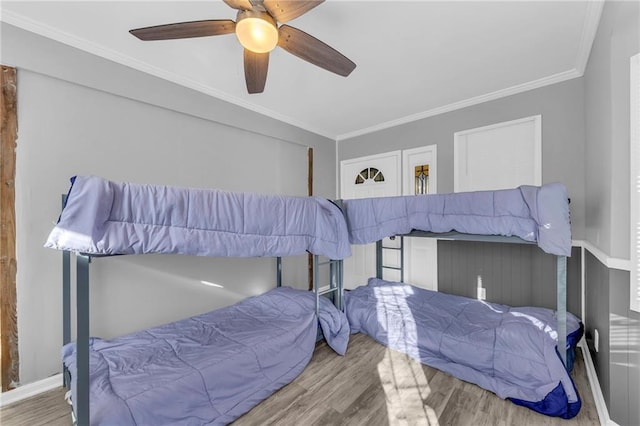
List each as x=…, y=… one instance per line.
x=414, y=59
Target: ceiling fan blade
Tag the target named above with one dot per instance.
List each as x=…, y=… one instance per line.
x=239, y=4
x=286, y=10
x=256, y=66
x=312, y=50
x=185, y=30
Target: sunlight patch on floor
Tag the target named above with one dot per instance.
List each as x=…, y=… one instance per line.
x=404, y=383
x=406, y=388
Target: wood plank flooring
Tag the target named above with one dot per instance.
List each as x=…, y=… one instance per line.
x=371, y=385
x=48, y=408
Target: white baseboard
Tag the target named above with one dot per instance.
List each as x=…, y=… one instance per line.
x=30, y=389
x=596, y=390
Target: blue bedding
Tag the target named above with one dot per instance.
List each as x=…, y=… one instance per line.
x=536, y=214
x=210, y=368
x=509, y=351
x=106, y=218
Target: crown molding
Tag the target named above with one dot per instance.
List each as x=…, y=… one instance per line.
x=513, y=90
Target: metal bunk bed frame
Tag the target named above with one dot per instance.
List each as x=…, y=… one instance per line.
x=81, y=402
x=561, y=272
x=80, y=405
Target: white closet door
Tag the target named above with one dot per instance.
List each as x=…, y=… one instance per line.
x=499, y=156
x=420, y=254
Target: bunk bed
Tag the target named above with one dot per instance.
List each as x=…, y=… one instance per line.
x=524, y=354
x=210, y=368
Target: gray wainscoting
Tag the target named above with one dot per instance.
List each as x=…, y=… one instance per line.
x=512, y=274
x=617, y=360
x=597, y=307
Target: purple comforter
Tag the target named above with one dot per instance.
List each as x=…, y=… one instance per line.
x=104, y=217
x=509, y=351
x=536, y=214
x=210, y=368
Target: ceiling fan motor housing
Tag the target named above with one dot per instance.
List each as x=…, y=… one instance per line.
x=257, y=31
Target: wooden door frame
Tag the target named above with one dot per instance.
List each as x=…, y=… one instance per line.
x=8, y=317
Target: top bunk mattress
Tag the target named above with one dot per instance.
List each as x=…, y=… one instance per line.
x=535, y=214
x=102, y=217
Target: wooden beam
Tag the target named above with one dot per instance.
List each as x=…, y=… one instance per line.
x=310, y=193
x=8, y=266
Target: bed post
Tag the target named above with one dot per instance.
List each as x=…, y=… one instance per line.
x=278, y=271
x=402, y=259
x=339, y=271
x=340, y=304
x=81, y=402
x=379, y=259
x=66, y=305
x=561, y=288
x=66, y=309
x=316, y=290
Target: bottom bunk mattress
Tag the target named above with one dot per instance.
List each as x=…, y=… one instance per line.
x=210, y=368
x=509, y=351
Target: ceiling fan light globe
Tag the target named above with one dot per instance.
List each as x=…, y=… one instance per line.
x=256, y=31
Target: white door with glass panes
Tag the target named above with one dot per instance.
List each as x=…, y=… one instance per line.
x=366, y=177
x=420, y=254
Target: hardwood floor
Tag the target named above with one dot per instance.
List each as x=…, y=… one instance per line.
x=371, y=385
x=48, y=408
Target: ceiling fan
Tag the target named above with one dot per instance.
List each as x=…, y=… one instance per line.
x=257, y=29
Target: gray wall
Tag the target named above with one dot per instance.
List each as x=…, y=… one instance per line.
x=618, y=356
x=79, y=114
x=597, y=318
x=624, y=346
x=607, y=127
x=512, y=274
x=561, y=106
x=607, y=219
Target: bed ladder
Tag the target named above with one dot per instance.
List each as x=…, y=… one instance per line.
x=334, y=288
x=380, y=266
